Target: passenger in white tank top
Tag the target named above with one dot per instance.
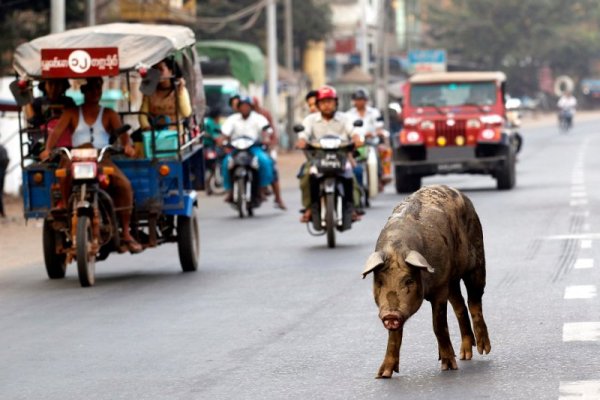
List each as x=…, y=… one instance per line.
x=88, y=121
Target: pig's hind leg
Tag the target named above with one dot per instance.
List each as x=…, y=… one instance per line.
x=439, y=308
x=475, y=284
x=462, y=315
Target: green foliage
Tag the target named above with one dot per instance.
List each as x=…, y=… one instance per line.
x=311, y=21
x=21, y=21
x=519, y=36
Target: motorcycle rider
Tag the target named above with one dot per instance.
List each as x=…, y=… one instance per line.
x=372, y=126
x=328, y=121
x=566, y=105
x=247, y=122
x=91, y=124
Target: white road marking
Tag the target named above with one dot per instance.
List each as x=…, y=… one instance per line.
x=578, y=194
x=586, y=244
x=578, y=188
x=579, y=390
x=581, y=332
x=578, y=202
x=580, y=292
x=575, y=236
x=584, y=263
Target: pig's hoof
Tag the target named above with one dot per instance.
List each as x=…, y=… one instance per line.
x=483, y=344
x=449, y=364
x=466, y=348
x=387, y=370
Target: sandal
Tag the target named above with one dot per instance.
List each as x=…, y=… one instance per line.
x=133, y=246
x=306, y=216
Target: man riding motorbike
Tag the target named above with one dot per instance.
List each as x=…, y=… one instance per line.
x=91, y=124
x=328, y=121
x=246, y=122
x=566, y=105
x=372, y=126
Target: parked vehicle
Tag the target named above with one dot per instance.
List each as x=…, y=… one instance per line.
x=165, y=204
x=454, y=122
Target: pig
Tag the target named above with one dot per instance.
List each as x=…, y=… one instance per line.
x=431, y=242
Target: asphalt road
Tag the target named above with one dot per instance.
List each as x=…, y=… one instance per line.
x=274, y=314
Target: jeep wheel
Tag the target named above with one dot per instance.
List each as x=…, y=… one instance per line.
x=506, y=177
x=406, y=183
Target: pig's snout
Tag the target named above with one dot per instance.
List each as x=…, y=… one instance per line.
x=392, y=321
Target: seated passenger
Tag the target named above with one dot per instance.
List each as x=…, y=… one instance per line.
x=91, y=124
x=45, y=111
x=162, y=104
x=247, y=123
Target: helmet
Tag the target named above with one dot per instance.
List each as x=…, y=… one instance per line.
x=360, y=94
x=245, y=99
x=326, y=92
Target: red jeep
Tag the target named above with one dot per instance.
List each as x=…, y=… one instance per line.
x=454, y=122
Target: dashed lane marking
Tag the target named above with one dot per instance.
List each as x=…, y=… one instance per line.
x=580, y=390
x=578, y=202
x=581, y=332
x=580, y=292
x=579, y=194
x=584, y=263
x=586, y=244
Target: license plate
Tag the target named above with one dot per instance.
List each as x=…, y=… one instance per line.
x=450, y=167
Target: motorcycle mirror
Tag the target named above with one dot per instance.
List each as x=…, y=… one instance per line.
x=298, y=128
x=22, y=95
x=150, y=82
x=358, y=123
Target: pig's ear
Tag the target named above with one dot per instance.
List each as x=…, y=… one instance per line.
x=375, y=260
x=416, y=259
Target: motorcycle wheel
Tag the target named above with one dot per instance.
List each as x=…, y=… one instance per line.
x=330, y=219
x=86, y=261
x=56, y=265
x=216, y=181
x=240, y=197
x=188, y=241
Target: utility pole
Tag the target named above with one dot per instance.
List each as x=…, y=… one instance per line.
x=57, y=16
x=90, y=12
x=272, y=55
x=364, y=37
x=386, y=65
x=289, y=63
x=380, y=38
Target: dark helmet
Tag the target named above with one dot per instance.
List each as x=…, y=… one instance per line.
x=326, y=92
x=360, y=94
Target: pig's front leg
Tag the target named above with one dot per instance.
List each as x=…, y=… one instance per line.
x=440, y=327
x=391, y=362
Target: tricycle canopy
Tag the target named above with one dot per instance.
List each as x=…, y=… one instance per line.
x=138, y=44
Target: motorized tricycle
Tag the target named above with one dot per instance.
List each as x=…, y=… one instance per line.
x=165, y=210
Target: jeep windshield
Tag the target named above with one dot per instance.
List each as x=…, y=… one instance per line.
x=437, y=95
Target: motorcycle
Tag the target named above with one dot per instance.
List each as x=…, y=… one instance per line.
x=243, y=169
x=330, y=189
x=213, y=159
x=565, y=120
x=368, y=159
x=89, y=225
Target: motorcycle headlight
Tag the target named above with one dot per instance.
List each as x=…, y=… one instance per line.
x=242, y=143
x=330, y=143
x=84, y=170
